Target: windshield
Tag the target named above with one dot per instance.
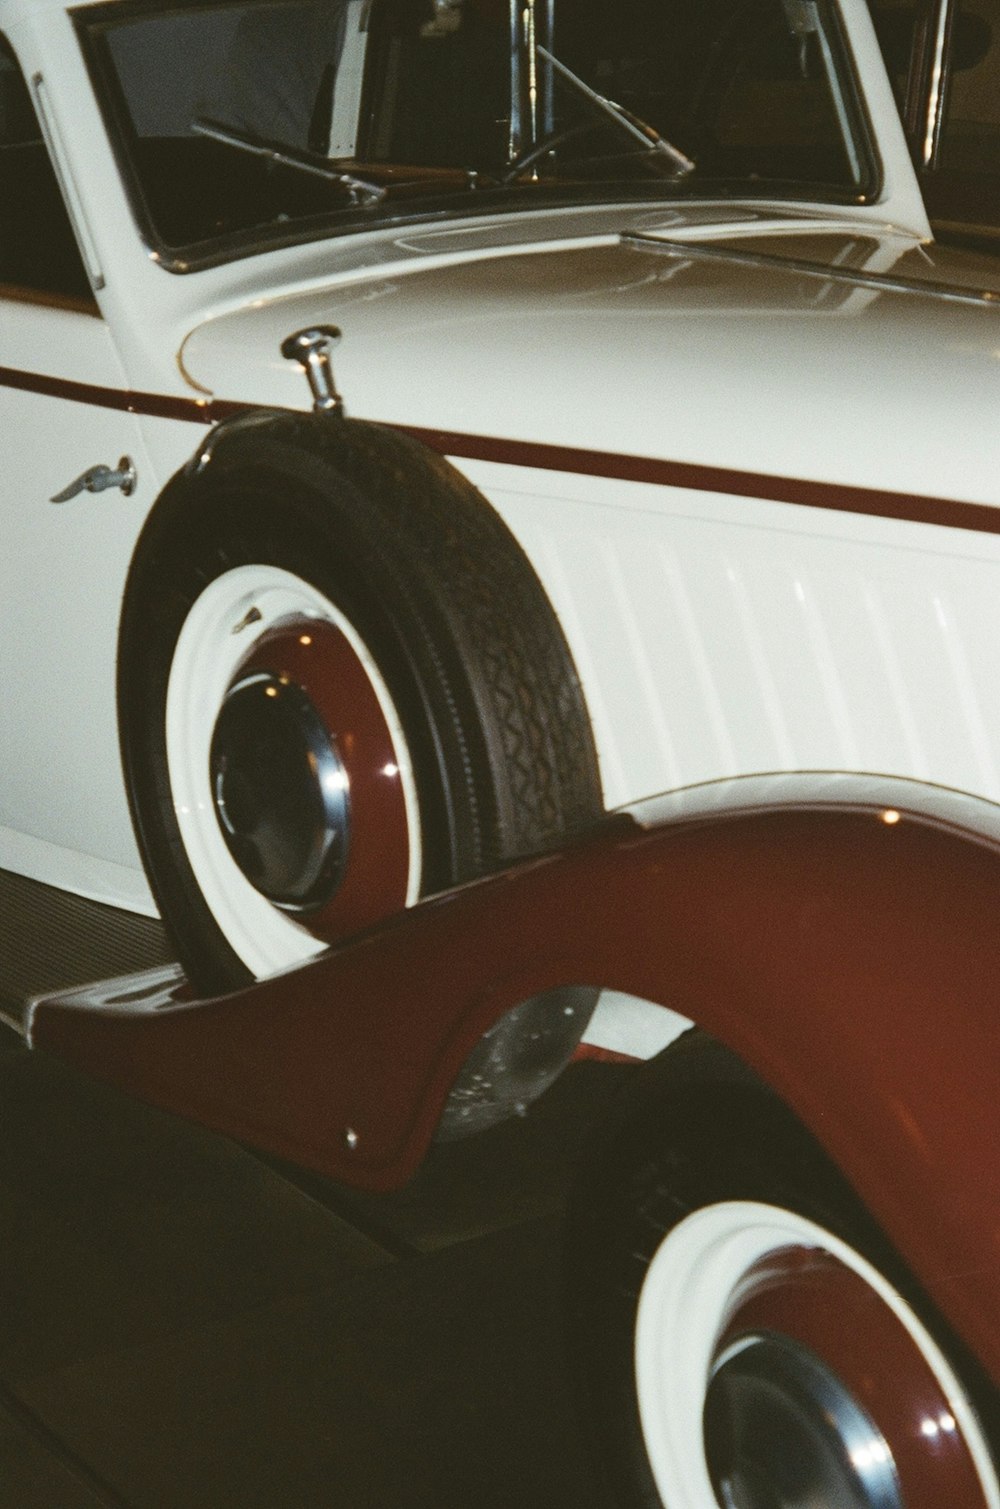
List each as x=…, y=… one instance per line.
x=247, y=124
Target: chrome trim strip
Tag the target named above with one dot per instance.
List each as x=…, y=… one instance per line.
x=72, y=200
x=952, y=293
x=934, y=119
x=19, y=1021
x=515, y=132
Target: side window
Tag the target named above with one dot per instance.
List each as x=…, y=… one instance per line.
x=970, y=136
x=38, y=250
x=965, y=184
x=951, y=113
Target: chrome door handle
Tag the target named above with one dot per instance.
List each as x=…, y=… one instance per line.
x=97, y=479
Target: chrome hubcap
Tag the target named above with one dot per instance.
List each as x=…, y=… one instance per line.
x=281, y=792
x=783, y=1432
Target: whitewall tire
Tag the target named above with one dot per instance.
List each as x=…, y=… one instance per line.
x=341, y=687
x=746, y=1337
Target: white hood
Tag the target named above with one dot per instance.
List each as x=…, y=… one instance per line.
x=736, y=353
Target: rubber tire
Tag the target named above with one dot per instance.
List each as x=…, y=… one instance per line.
x=446, y=602
x=697, y=1127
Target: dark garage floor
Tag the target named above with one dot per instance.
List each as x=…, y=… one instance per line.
x=185, y=1326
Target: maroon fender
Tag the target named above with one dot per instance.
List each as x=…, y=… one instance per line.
x=850, y=956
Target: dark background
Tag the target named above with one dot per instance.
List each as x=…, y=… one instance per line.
x=186, y=1326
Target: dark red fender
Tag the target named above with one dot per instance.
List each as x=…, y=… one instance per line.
x=855, y=965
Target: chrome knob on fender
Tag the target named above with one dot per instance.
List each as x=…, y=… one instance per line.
x=311, y=349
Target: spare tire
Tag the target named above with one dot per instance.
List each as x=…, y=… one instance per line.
x=341, y=688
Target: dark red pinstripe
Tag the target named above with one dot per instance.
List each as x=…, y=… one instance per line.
x=947, y=512
x=160, y=405
x=830, y=495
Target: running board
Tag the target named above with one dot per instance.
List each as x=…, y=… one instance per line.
x=139, y=994
x=52, y=942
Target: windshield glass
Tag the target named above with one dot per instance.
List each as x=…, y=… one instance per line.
x=247, y=124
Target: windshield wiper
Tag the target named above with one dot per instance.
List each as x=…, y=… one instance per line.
x=639, y=129
x=361, y=191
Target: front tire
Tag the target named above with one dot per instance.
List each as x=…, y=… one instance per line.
x=341, y=687
x=749, y=1339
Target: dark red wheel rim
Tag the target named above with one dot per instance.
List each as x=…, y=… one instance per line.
x=338, y=728
x=845, y=1332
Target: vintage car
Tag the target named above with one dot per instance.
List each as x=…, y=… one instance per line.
x=431, y=428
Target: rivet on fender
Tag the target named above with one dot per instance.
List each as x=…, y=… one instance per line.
x=311, y=349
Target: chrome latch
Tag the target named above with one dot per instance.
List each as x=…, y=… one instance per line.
x=97, y=479
x=311, y=349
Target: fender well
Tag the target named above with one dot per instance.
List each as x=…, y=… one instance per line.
x=847, y=954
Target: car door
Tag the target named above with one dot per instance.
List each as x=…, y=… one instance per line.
x=63, y=411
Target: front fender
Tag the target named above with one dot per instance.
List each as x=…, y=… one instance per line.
x=850, y=956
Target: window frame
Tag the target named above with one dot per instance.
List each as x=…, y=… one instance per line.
x=94, y=22
x=27, y=292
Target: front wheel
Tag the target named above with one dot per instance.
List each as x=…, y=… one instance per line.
x=750, y=1340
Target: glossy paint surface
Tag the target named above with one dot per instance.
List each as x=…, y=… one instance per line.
x=816, y=1301
x=850, y=958
x=782, y=590
x=736, y=591
x=719, y=628
x=566, y=319
x=743, y=624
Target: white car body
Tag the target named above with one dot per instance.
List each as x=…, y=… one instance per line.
x=748, y=457
x=721, y=621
